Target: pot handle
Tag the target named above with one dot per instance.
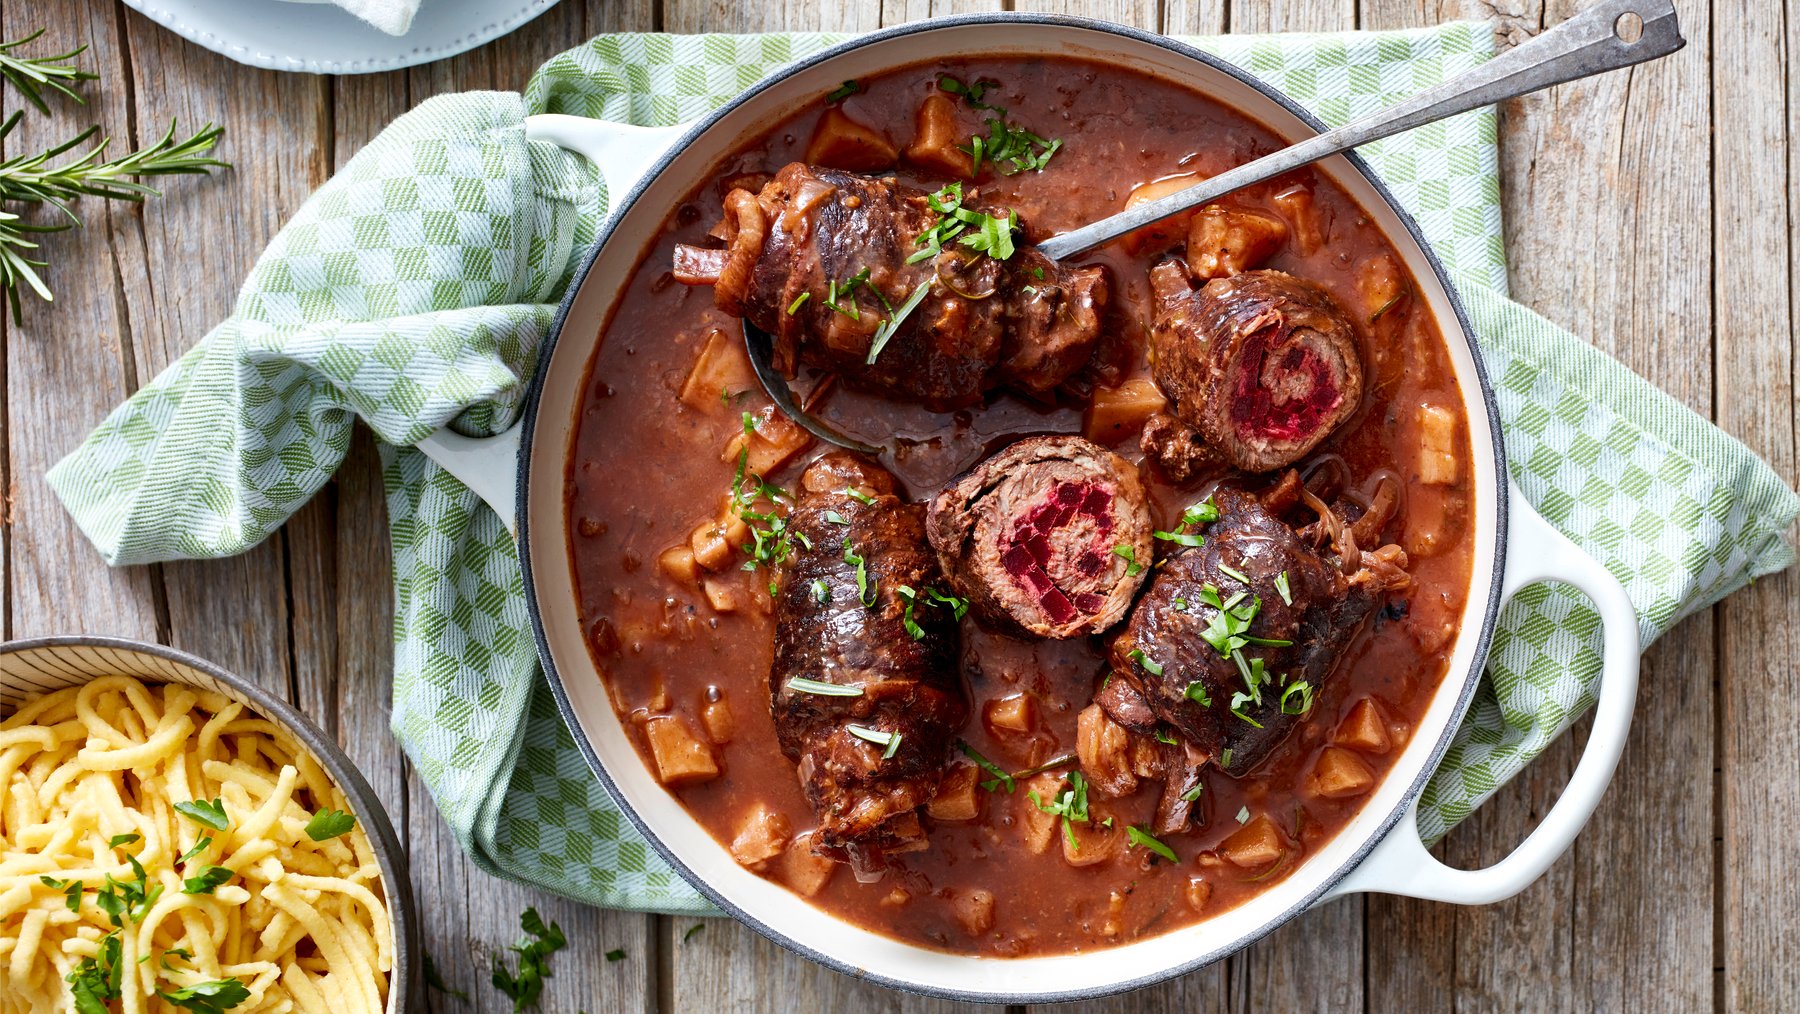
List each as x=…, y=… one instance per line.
x=623, y=153
x=1399, y=864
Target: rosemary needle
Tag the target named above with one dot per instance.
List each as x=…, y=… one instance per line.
x=29, y=74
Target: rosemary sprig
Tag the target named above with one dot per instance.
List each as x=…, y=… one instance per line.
x=31, y=179
x=29, y=74
x=17, y=269
x=35, y=179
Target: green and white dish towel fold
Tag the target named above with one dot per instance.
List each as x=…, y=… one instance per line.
x=415, y=288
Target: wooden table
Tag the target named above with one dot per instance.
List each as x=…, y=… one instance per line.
x=1656, y=211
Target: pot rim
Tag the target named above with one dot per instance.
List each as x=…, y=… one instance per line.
x=1470, y=680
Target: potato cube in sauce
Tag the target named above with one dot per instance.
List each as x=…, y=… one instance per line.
x=680, y=755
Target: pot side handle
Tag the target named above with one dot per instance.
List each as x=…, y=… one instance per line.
x=623, y=153
x=1399, y=864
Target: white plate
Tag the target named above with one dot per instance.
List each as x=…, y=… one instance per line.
x=323, y=39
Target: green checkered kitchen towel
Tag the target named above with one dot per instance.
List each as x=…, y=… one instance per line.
x=414, y=288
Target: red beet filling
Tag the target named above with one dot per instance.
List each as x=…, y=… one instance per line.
x=1254, y=412
x=1037, y=538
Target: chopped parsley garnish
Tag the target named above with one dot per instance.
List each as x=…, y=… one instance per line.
x=971, y=93
x=1196, y=692
x=772, y=539
x=1281, y=587
x=1300, y=706
x=122, y=839
x=1228, y=630
x=1001, y=778
x=865, y=587
x=329, y=823
x=858, y=495
x=1225, y=759
x=913, y=630
x=1071, y=804
x=1150, y=665
x=212, y=997
x=1238, y=700
x=1234, y=572
x=1203, y=513
x=1192, y=516
x=821, y=592
x=890, y=325
x=835, y=289
x=798, y=302
x=890, y=740
x=1009, y=148
x=209, y=878
x=1145, y=839
x=1243, y=815
x=991, y=235
x=128, y=899
x=842, y=92
x=526, y=986
x=959, y=607
x=803, y=685
x=616, y=954
x=97, y=979
x=1132, y=567
x=834, y=518
x=1193, y=793
x=71, y=890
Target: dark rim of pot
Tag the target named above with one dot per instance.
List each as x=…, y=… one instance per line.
x=617, y=213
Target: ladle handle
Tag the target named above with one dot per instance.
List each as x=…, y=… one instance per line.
x=1589, y=43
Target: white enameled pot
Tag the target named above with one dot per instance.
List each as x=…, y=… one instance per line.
x=522, y=475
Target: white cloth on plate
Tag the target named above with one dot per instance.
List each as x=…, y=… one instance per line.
x=391, y=16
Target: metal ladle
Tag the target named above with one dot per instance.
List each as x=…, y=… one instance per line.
x=1608, y=36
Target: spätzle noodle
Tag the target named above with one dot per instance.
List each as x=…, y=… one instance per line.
x=109, y=857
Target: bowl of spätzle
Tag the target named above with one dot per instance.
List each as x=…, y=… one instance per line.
x=173, y=837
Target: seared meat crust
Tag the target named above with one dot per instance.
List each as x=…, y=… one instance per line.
x=1025, y=322
x=1332, y=594
x=866, y=802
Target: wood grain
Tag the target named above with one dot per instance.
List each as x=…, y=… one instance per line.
x=1756, y=190
x=1615, y=164
x=1675, y=181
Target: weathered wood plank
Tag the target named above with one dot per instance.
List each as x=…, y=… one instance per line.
x=1625, y=920
x=182, y=274
x=70, y=361
x=787, y=15
x=1756, y=187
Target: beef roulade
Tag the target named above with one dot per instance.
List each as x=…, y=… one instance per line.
x=864, y=685
x=1235, y=636
x=1050, y=538
x=1261, y=366
x=876, y=282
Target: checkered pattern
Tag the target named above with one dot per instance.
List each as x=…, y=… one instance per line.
x=414, y=288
